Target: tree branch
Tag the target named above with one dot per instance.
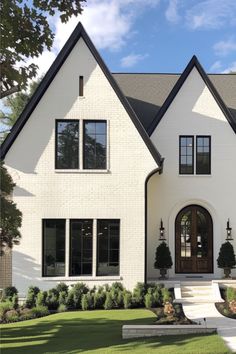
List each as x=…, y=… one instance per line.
x=12, y=90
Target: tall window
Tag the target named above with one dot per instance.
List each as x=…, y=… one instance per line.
x=54, y=247
x=67, y=144
x=203, y=158
x=108, y=245
x=81, y=247
x=186, y=153
x=95, y=138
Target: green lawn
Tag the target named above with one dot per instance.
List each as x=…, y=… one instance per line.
x=97, y=332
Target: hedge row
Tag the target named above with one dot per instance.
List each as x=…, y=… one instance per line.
x=79, y=296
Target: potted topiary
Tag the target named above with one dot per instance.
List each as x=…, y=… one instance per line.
x=226, y=258
x=163, y=260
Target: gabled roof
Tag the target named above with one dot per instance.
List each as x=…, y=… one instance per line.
x=147, y=92
x=78, y=33
x=193, y=63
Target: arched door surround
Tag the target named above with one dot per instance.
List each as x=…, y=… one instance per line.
x=193, y=240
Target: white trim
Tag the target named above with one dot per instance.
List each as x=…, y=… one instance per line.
x=81, y=171
x=80, y=144
x=84, y=278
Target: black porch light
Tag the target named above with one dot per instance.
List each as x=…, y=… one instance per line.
x=229, y=232
x=162, y=232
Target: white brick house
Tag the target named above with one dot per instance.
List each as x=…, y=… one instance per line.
x=99, y=159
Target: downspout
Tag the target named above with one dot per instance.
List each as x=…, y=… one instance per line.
x=157, y=170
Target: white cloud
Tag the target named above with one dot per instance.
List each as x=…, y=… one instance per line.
x=231, y=68
x=223, y=48
x=109, y=23
x=171, y=13
x=44, y=62
x=216, y=66
x=211, y=14
x=132, y=59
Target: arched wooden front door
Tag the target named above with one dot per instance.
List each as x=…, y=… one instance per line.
x=193, y=241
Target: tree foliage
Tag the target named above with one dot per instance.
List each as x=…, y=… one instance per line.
x=163, y=257
x=226, y=258
x=11, y=217
x=13, y=106
x=25, y=33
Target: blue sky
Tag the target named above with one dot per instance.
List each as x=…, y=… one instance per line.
x=155, y=35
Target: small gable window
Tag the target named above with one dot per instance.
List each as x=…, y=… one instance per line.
x=81, y=86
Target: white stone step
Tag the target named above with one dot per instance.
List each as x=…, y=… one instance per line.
x=197, y=293
x=197, y=300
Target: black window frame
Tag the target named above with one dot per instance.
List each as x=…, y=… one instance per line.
x=70, y=248
x=97, y=247
x=83, y=141
x=209, y=137
x=43, y=244
x=186, y=136
x=57, y=121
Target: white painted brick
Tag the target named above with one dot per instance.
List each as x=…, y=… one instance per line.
x=43, y=193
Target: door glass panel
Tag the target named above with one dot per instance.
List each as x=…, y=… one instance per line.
x=185, y=236
x=202, y=235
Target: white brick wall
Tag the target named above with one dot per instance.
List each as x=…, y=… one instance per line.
x=42, y=192
x=193, y=112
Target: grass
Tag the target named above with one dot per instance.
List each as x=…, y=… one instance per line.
x=98, y=332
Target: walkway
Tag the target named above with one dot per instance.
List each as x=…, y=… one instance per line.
x=226, y=327
x=198, y=301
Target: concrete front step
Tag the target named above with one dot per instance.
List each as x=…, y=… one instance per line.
x=197, y=293
x=197, y=300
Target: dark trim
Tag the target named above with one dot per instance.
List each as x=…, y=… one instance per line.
x=62, y=56
x=81, y=86
x=83, y=142
x=186, y=136
x=110, y=275
x=193, y=63
x=157, y=170
x=212, y=228
x=204, y=136
x=66, y=121
x=42, y=253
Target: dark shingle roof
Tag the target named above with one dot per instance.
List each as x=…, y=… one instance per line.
x=147, y=92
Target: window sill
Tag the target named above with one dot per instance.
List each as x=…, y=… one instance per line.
x=84, y=278
x=194, y=175
x=81, y=171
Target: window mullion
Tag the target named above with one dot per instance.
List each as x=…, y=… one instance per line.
x=81, y=144
x=94, y=254
x=67, y=255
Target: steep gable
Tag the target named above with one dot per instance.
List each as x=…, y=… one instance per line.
x=194, y=63
x=78, y=33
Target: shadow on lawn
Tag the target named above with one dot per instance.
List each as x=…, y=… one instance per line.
x=67, y=336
